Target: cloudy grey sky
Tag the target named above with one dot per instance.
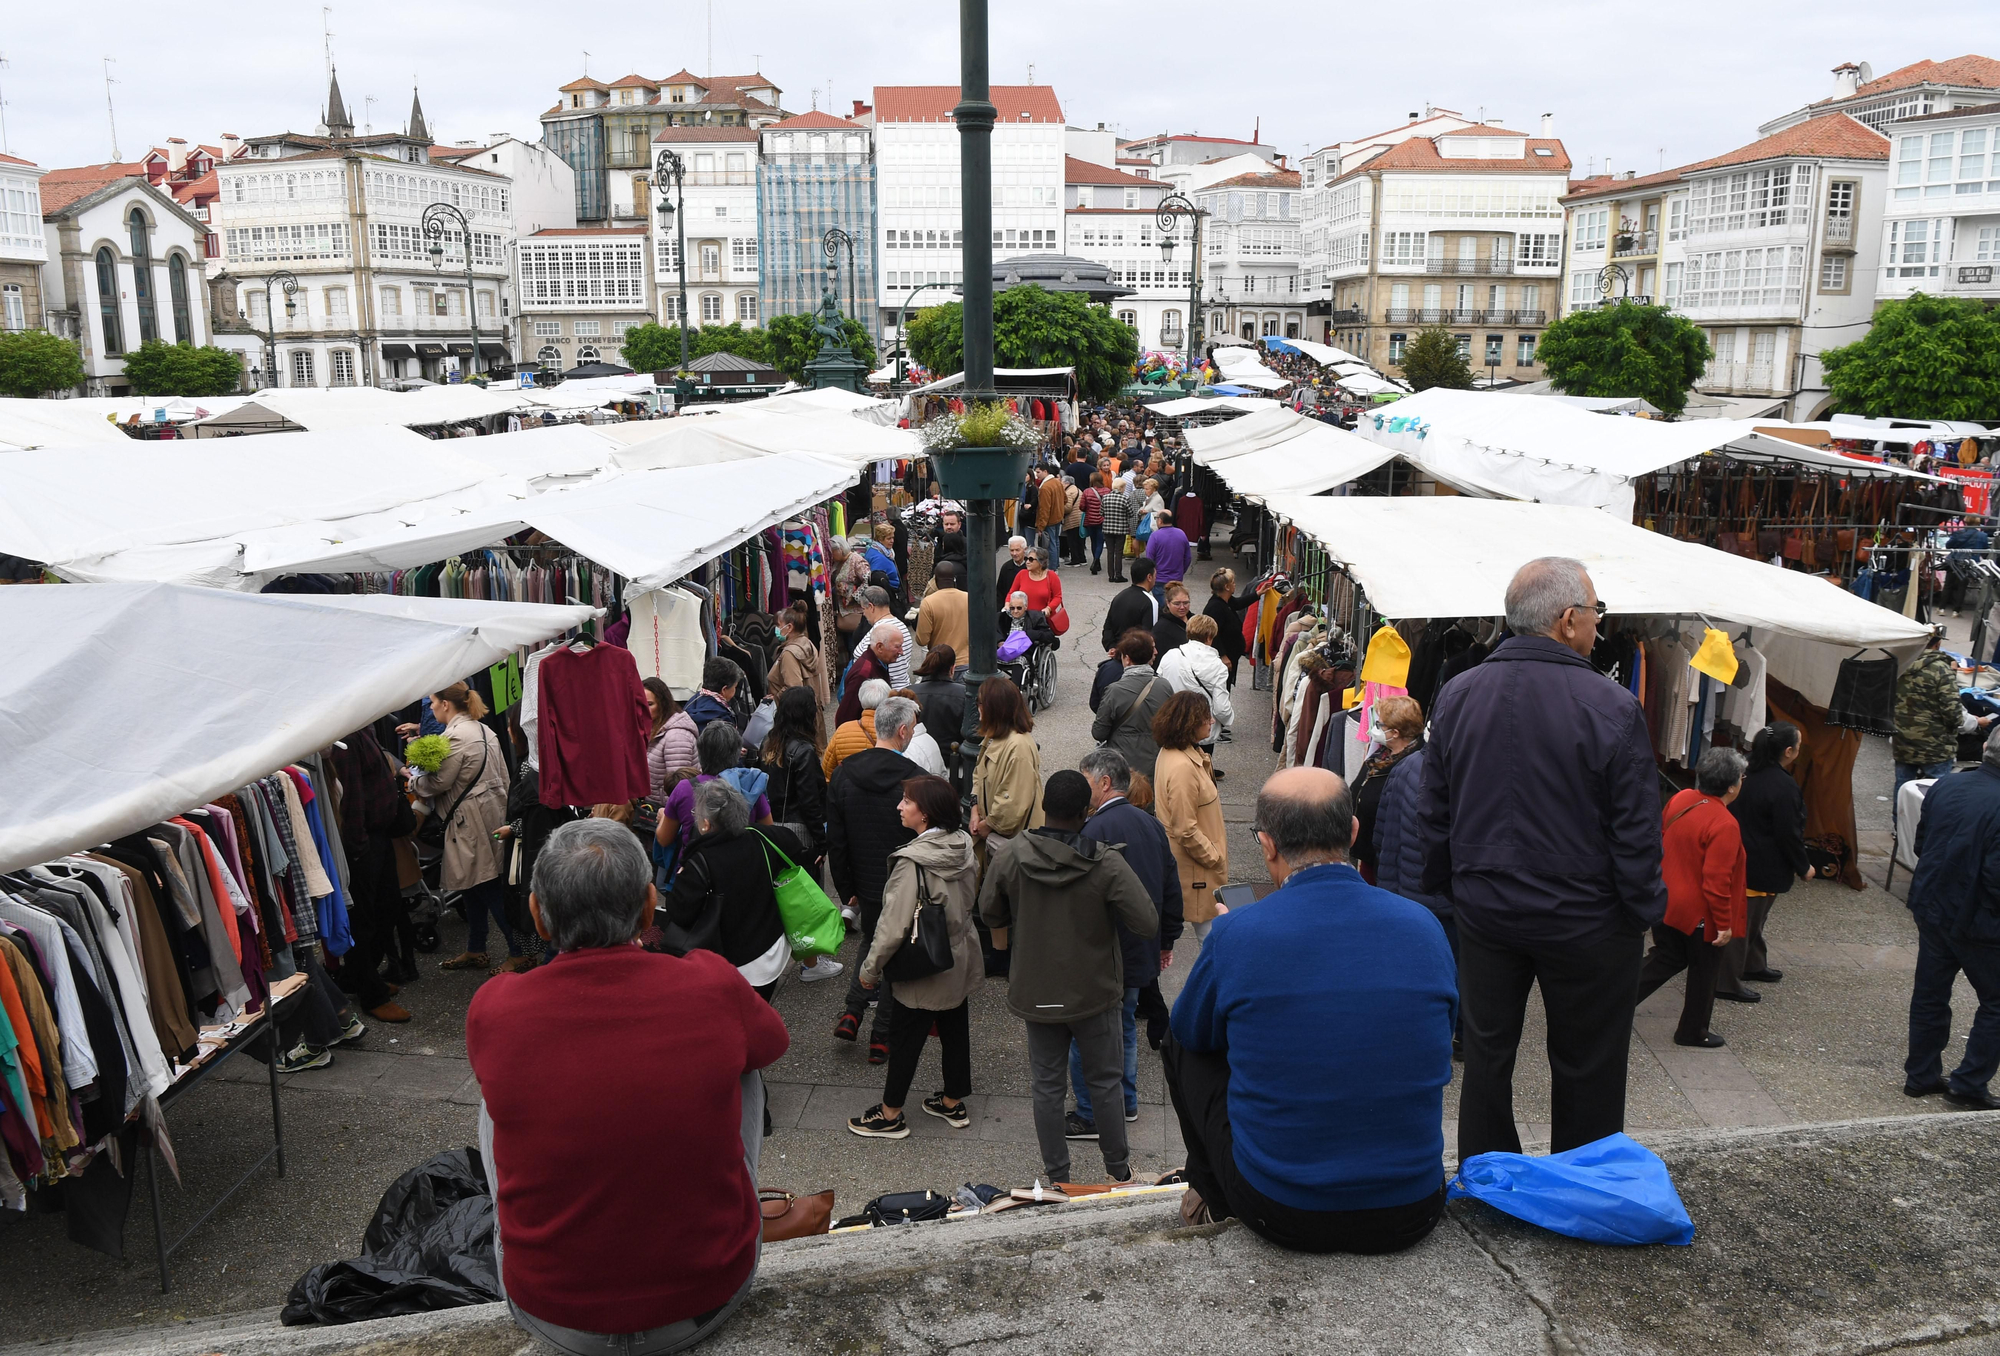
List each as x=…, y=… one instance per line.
x=1647, y=85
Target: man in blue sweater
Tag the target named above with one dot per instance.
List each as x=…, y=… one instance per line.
x=1312, y=1043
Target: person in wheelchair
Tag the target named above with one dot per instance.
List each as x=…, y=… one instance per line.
x=1019, y=617
x=1027, y=666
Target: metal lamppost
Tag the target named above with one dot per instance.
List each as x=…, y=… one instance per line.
x=1172, y=208
x=288, y=280
x=668, y=167
x=902, y=341
x=436, y=221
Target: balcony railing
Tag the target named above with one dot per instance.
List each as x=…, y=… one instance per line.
x=1753, y=377
x=1172, y=338
x=1628, y=244
x=1447, y=315
x=1840, y=230
x=1483, y=266
x=1350, y=316
x=1488, y=267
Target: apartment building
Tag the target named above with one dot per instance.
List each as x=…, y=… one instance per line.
x=1250, y=254
x=1460, y=225
x=720, y=226
x=1911, y=91
x=816, y=173
x=921, y=231
x=607, y=132
x=1772, y=248
x=23, y=248
x=580, y=289
x=1940, y=230
x=1112, y=218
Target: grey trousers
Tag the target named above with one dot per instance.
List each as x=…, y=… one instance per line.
x=659, y=1341
x=1746, y=954
x=1100, y=1044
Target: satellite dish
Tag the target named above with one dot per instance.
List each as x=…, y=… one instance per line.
x=1867, y=72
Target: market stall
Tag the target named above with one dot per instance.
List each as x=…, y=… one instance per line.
x=1277, y=451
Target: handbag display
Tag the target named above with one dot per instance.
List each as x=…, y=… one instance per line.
x=927, y=950
x=789, y=1215
x=812, y=921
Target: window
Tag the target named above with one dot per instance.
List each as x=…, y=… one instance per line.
x=1399, y=296
x=1677, y=216
x=1403, y=247
x=711, y=308
x=1833, y=273
x=1494, y=343
x=587, y=354
x=142, y=277
x=486, y=305
x=1524, y=351
x=1591, y=228
x=1916, y=248
x=550, y=357
x=1724, y=344
x=13, y=311
x=670, y=310
x=1129, y=318
x=669, y=256
x=108, y=316
x=1396, y=342
x=746, y=307
x=343, y=366
x=585, y=329
x=1763, y=347
x=1131, y=198
x=1537, y=250
x=711, y=260
x=1464, y=342
x=1988, y=249
x=336, y=305
x=1840, y=211
x=1673, y=283
x=548, y=329
x=255, y=303
x=177, y=293
x=743, y=255
x=302, y=367
x=1583, y=287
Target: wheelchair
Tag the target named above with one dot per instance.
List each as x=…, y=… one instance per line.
x=1035, y=674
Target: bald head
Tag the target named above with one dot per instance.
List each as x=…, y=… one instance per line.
x=1305, y=815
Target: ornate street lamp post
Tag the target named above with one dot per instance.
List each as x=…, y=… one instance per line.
x=668, y=167
x=1172, y=208
x=288, y=280
x=438, y=219
x=902, y=340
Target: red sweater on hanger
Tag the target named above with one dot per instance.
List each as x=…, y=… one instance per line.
x=591, y=727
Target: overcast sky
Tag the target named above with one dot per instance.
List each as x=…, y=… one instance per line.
x=1641, y=86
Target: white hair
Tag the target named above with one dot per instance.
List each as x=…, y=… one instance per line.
x=886, y=629
x=1541, y=591
x=1017, y=541
x=894, y=716
x=873, y=693
x=1016, y=594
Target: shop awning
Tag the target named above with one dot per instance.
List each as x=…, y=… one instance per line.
x=233, y=686
x=1449, y=556
x=1279, y=451
x=1230, y=405
x=1325, y=355
x=755, y=429
x=399, y=351
x=489, y=349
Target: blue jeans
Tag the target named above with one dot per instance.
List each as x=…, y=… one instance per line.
x=1940, y=957
x=1096, y=536
x=487, y=897
x=1049, y=540
x=1131, y=1019
x=1913, y=772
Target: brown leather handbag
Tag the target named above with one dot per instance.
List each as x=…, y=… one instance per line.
x=789, y=1215
x=1769, y=539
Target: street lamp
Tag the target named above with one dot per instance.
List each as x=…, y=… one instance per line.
x=902, y=343
x=1172, y=208
x=286, y=279
x=436, y=222
x=668, y=166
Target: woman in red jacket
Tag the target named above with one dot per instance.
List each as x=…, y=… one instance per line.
x=1703, y=862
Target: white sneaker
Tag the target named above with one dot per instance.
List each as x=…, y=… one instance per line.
x=848, y=915
x=826, y=967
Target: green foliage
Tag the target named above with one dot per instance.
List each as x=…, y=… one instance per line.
x=653, y=348
x=1626, y=350
x=158, y=368
x=1925, y=358
x=793, y=343
x=1431, y=359
x=428, y=752
x=35, y=362
x=1033, y=327
x=754, y=344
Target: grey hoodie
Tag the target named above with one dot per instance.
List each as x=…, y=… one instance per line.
x=1063, y=896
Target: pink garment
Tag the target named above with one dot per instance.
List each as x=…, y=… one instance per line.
x=1372, y=693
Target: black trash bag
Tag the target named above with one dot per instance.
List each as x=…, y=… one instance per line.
x=430, y=1246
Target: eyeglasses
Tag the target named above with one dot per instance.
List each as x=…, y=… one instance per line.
x=1598, y=605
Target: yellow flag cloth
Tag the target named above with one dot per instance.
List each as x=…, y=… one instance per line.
x=1715, y=658
x=1388, y=661
x=1350, y=697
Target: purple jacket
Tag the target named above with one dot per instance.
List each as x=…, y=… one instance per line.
x=1170, y=553
x=1540, y=802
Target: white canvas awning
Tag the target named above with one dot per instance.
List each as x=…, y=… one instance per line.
x=558, y=454
x=650, y=526
x=1453, y=557
x=1326, y=355
x=228, y=687
x=184, y=511
x=1193, y=405
x=1366, y=383
x=957, y=379
x=320, y=410
x=61, y=423
x=1241, y=366
x=743, y=433
x=1278, y=451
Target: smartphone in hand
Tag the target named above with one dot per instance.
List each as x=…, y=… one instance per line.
x=1235, y=896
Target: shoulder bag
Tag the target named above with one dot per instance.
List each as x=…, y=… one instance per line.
x=430, y=834
x=1058, y=618
x=812, y=921
x=1137, y=703
x=705, y=933
x=789, y=1215
x=927, y=950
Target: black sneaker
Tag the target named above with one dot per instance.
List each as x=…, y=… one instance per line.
x=872, y=1124
x=957, y=1117
x=1076, y=1127
x=1132, y=1115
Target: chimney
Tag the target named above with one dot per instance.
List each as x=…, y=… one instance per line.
x=495, y=138
x=1548, y=124
x=1846, y=80
x=1416, y=117
x=232, y=145
x=861, y=108
x=177, y=154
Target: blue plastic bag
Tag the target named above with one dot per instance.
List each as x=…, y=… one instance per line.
x=1615, y=1190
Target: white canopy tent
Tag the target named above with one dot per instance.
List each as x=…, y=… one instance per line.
x=957, y=379
x=543, y=458
x=232, y=685
x=1364, y=383
x=828, y=400
x=321, y=410
x=1241, y=366
x=61, y=423
x=741, y=435
x=1186, y=406
x=1278, y=451
x=650, y=526
x=1453, y=557
x=184, y=511
x=1326, y=355
x=1534, y=448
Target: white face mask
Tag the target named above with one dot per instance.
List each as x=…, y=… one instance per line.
x=1378, y=736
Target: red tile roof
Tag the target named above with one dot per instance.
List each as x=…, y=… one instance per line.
x=634, y=82
x=15, y=160
x=682, y=76
x=933, y=103
x=1976, y=71
x=1268, y=179
x=1421, y=153
x=1222, y=141
x=585, y=83
x=61, y=187
x=192, y=191
x=1835, y=136
x=1604, y=186
x=1089, y=172
x=815, y=118
x=673, y=134
x=589, y=230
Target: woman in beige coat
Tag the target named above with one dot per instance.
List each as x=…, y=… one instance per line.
x=797, y=664
x=471, y=786
x=1188, y=807
x=936, y=866
x=1007, y=779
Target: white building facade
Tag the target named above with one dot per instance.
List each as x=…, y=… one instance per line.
x=1111, y=217
x=23, y=248
x=580, y=290
x=719, y=218
x=1251, y=255
x=1940, y=231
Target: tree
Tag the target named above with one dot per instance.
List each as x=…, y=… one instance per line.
x=1431, y=359
x=35, y=362
x=1926, y=358
x=158, y=368
x=793, y=343
x=1626, y=350
x=1034, y=327
x=754, y=344
x=655, y=348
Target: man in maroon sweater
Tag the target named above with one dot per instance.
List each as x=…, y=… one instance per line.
x=622, y=1114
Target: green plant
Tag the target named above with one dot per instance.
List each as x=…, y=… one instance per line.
x=1432, y=359
x=986, y=424
x=1626, y=350
x=1033, y=327
x=35, y=362
x=158, y=368
x=428, y=752
x=1925, y=357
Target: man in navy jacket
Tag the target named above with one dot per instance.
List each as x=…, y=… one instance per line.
x=1312, y=1043
x=1955, y=896
x=1540, y=808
